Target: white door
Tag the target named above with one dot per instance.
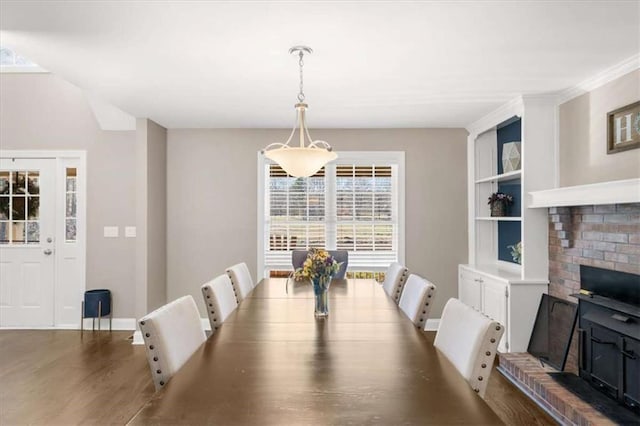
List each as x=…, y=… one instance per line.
x=27, y=258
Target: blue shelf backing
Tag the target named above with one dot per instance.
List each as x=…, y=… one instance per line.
x=511, y=132
x=513, y=188
x=508, y=235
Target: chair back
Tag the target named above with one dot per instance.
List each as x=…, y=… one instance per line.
x=171, y=334
x=394, y=280
x=299, y=256
x=219, y=299
x=416, y=299
x=469, y=340
x=241, y=280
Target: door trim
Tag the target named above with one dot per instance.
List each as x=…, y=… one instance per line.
x=67, y=300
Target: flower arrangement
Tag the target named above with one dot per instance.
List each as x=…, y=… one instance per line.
x=318, y=264
x=500, y=197
x=516, y=252
x=498, y=202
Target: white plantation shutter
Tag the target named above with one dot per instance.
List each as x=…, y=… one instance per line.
x=351, y=204
x=295, y=215
x=366, y=218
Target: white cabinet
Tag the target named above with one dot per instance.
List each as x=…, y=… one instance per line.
x=529, y=120
x=493, y=282
x=470, y=290
x=508, y=300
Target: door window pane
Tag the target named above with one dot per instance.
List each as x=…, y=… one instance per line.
x=17, y=231
x=33, y=182
x=4, y=182
x=18, y=182
x=71, y=204
x=33, y=232
x=33, y=208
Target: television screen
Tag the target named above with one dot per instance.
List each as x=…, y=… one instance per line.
x=552, y=331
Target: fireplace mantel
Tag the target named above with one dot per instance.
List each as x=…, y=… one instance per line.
x=614, y=192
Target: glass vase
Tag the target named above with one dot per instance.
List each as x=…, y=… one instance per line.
x=320, y=291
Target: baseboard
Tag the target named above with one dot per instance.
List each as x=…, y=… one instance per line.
x=118, y=324
x=432, y=324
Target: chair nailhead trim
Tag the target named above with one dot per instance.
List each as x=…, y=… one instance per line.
x=480, y=378
x=498, y=328
x=147, y=334
x=151, y=347
x=487, y=353
x=484, y=365
x=208, y=297
x=161, y=383
x=476, y=390
x=159, y=371
x=493, y=340
x=141, y=322
x=155, y=358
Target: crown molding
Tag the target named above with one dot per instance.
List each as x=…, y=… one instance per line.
x=600, y=79
x=504, y=112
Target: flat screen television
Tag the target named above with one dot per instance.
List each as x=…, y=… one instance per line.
x=552, y=331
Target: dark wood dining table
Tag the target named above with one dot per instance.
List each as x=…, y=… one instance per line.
x=273, y=363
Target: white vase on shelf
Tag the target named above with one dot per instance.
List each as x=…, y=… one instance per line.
x=511, y=157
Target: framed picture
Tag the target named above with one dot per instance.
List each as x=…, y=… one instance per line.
x=623, y=128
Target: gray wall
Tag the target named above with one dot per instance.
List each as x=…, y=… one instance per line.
x=151, y=213
x=583, y=135
x=42, y=111
x=212, y=196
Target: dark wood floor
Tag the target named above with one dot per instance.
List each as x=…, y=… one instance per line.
x=56, y=378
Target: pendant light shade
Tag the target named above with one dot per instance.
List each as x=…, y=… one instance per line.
x=306, y=159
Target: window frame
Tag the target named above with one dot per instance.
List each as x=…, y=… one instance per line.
x=358, y=158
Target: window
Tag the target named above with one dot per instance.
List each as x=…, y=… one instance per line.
x=10, y=61
x=19, y=207
x=355, y=204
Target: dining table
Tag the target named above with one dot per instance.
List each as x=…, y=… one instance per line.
x=272, y=362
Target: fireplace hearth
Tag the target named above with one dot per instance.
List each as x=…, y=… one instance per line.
x=609, y=332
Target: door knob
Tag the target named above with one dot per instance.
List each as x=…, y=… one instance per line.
x=48, y=252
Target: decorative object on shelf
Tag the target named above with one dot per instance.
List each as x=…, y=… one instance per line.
x=301, y=161
x=499, y=201
x=516, y=252
x=319, y=267
x=511, y=157
x=623, y=128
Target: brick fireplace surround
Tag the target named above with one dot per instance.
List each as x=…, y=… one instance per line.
x=604, y=236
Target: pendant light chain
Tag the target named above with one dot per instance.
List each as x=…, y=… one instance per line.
x=301, y=63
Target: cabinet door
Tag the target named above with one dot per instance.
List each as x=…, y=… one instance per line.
x=494, y=298
x=470, y=289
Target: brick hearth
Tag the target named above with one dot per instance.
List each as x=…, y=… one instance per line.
x=604, y=236
x=558, y=401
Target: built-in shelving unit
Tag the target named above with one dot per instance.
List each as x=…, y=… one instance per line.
x=493, y=282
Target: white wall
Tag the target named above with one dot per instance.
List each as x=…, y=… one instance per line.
x=42, y=111
x=583, y=135
x=211, y=198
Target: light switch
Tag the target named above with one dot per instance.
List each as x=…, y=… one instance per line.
x=130, y=231
x=111, y=232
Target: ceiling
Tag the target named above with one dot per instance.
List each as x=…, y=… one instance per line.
x=194, y=64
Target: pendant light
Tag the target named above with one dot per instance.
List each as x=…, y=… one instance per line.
x=303, y=160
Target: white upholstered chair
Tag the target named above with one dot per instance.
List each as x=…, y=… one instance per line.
x=417, y=298
x=219, y=299
x=394, y=280
x=171, y=334
x=241, y=280
x=469, y=340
